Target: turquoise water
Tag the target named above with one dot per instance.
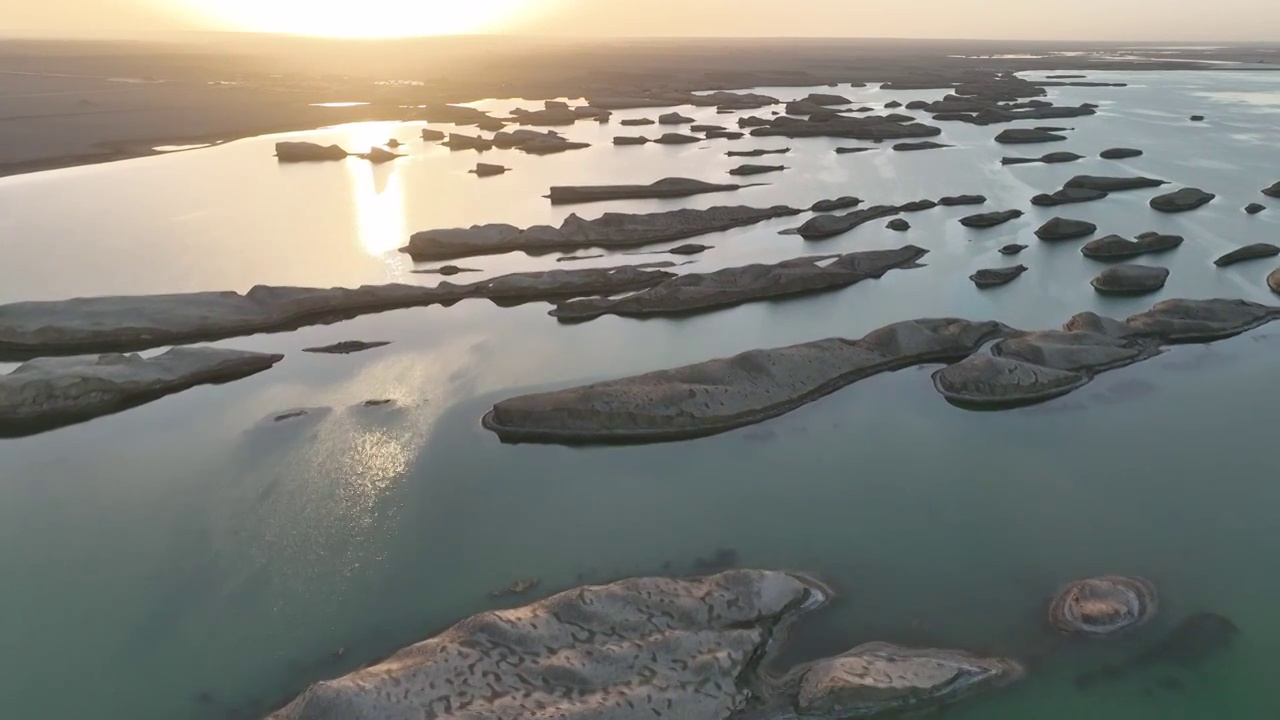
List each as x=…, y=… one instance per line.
x=189, y=559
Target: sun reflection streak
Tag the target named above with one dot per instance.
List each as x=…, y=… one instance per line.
x=377, y=196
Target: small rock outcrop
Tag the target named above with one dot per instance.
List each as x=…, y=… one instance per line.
x=1052, y=158
x=1114, y=247
x=1065, y=229
x=1130, y=280
x=1012, y=249
x=917, y=206
x=756, y=169
x=957, y=200
x=994, y=277
x=457, y=142
x=1020, y=136
x=1248, y=252
x=825, y=226
x=852, y=150
x=922, y=145
x=636, y=122
x=1254, y=208
x=898, y=225
x=701, y=292
x=1273, y=191
x=1197, y=118
x=1103, y=605
x=433, y=135
x=1273, y=281
x=840, y=203
x=677, y=139
x=1181, y=200
x=758, y=152
x=1119, y=153
x=1066, y=196
x=488, y=170
x=689, y=249
x=827, y=99
x=1113, y=184
x=674, y=118
x=308, y=152
x=665, y=188
x=991, y=219
x=631, y=140
x=47, y=393
x=346, y=347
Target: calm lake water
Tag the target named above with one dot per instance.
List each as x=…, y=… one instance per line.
x=191, y=559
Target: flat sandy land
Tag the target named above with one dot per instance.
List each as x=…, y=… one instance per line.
x=75, y=102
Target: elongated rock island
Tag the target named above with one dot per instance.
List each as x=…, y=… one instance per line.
x=45, y=393
x=664, y=188
x=611, y=230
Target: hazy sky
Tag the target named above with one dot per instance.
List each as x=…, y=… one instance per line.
x=1016, y=19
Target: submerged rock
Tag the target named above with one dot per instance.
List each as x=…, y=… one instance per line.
x=1181, y=200
x=720, y=395
x=898, y=225
x=993, y=277
x=1130, y=280
x=591, y=652
x=1113, y=184
x=699, y=292
x=756, y=169
x=1066, y=196
x=674, y=118
x=825, y=226
x=488, y=170
x=840, y=203
x=46, y=393
x=1103, y=605
x=347, y=347
x=1012, y=249
x=880, y=679
x=955, y=200
x=1119, y=153
x=611, y=230
x=1065, y=229
x=923, y=145
x=1049, y=159
x=677, y=139
x=991, y=219
x=308, y=152
x=1248, y=252
x=1254, y=208
x=665, y=188
x=1114, y=247
x=757, y=152
x=1188, y=645
x=1018, y=136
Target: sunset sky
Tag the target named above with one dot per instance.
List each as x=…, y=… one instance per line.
x=1016, y=19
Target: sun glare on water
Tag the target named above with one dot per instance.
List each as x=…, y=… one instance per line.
x=361, y=18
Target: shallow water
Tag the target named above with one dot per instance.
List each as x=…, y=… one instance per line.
x=190, y=558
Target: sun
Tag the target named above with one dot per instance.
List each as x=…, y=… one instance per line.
x=360, y=18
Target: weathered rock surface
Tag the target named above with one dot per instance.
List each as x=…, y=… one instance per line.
x=994, y=277
x=898, y=225
x=677, y=139
x=825, y=226
x=1130, y=280
x=1273, y=191
x=1119, y=153
x=45, y=393
x=664, y=188
x=917, y=206
x=719, y=395
x=1018, y=136
x=700, y=292
x=1197, y=321
x=1113, y=184
x=1254, y=208
x=1012, y=249
x=1103, y=605
x=758, y=152
x=917, y=105
x=1114, y=247
x=883, y=680
x=346, y=347
x=991, y=219
x=840, y=203
x=98, y=324
x=1066, y=196
x=611, y=230
x=674, y=118
x=756, y=169
x=1273, y=281
x=488, y=170
x=308, y=152
x=1065, y=229
x=1052, y=158
x=1248, y=252
x=689, y=249
x=634, y=649
x=923, y=145
x=1181, y=200
x=956, y=200
x=631, y=140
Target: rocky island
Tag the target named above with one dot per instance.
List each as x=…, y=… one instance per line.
x=664, y=188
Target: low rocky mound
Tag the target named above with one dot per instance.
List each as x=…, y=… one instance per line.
x=1066, y=196
x=1103, y=605
x=611, y=230
x=308, y=152
x=1065, y=229
x=840, y=203
x=433, y=135
x=636, y=122
x=1113, y=184
x=1049, y=159
x=1254, y=208
x=665, y=188
x=994, y=277
x=870, y=127
x=991, y=219
x=346, y=347
x=825, y=226
x=46, y=393
x=1012, y=249
x=467, y=142
x=674, y=118
x=917, y=206
x=1019, y=136
x=898, y=225
x=633, y=140
x=1114, y=247
x=1130, y=280
x=488, y=170
x=1273, y=191
x=1119, y=153
x=1273, y=281
x=1248, y=252
x=756, y=169
x=758, y=152
x=676, y=139
x=923, y=145
x=956, y=200
x=1181, y=200
x=700, y=292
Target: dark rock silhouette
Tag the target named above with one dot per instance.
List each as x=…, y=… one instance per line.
x=1023, y=136
x=898, y=225
x=923, y=145
x=991, y=219
x=956, y=200
x=840, y=203
x=1114, y=247
x=994, y=277
x=288, y=152
x=1012, y=249
x=346, y=347
x=1119, y=153
x=756, y=169
x=1049, y=159
x=1189, y=645
x=665, y=188
x=1181, y=200
x=1248, y=252
x=1254, y=208
x=758, y=152
x=1066, y=196
x=1130, y=280
x=1065, y=229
